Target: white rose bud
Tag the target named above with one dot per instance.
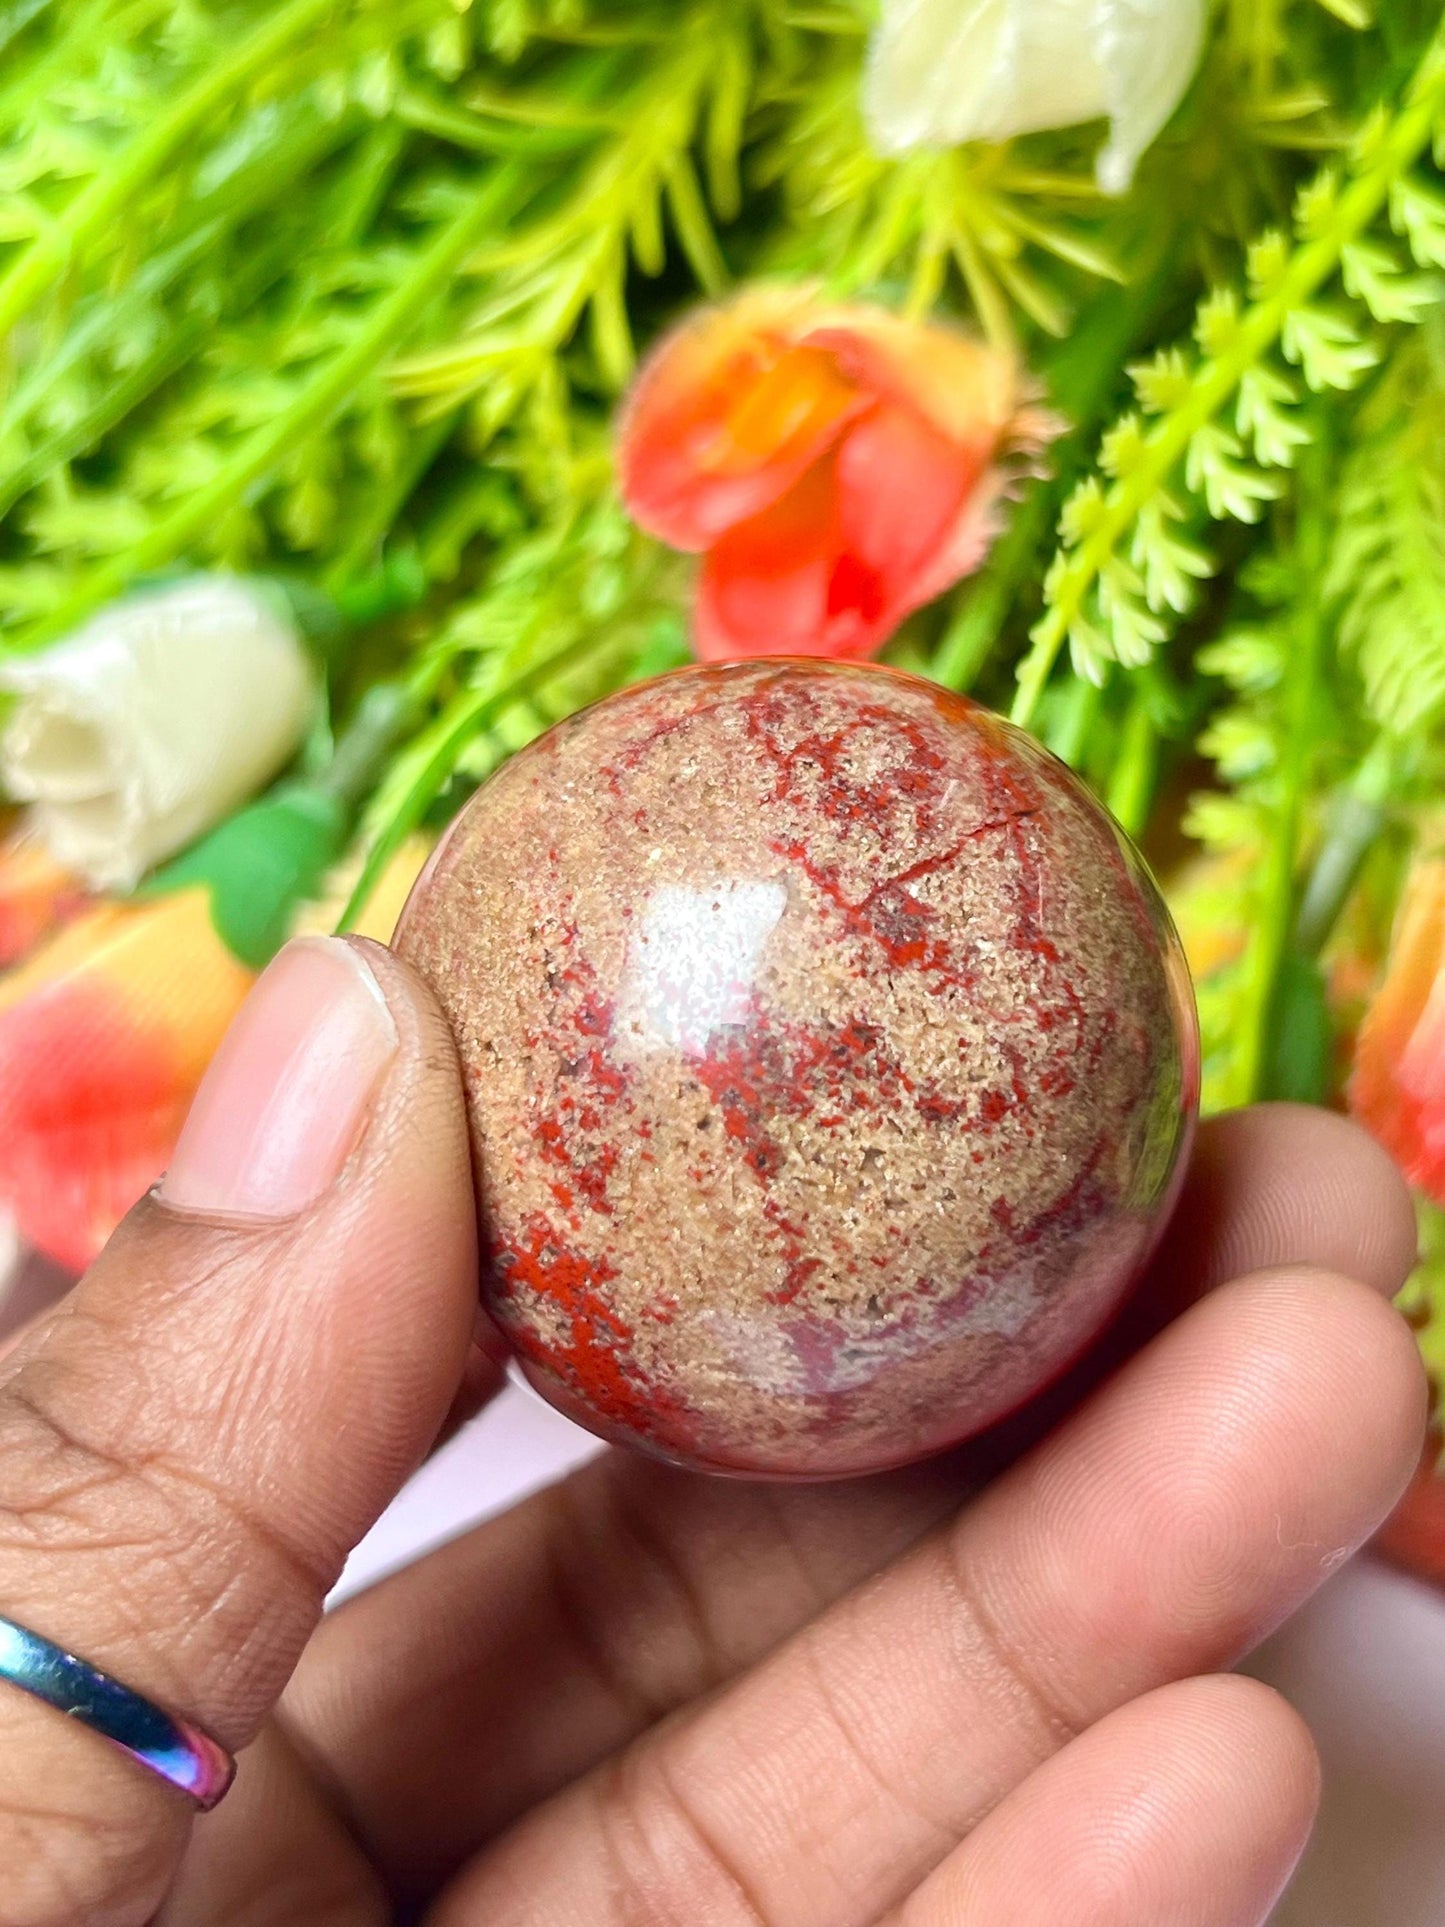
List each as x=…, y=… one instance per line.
x=135, y=735
x=945, y=71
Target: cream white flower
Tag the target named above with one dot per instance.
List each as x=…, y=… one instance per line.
x=135, y=735
x=945, y=71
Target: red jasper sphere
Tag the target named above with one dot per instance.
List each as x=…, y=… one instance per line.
x=829, y=1057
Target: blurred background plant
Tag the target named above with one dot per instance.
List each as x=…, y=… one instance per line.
x=343, y=294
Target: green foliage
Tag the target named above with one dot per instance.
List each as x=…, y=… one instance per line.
x=157, y=387
x=1388, y=564
x=221, y=230
x=1016, y=242
x=581, y=606
x=637, y=193
x=259, y=866
x=1219, y=425
x=356, y=305
x=1246, y=739
x=212, y=376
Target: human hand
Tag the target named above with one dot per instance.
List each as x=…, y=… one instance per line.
x=971, y=1693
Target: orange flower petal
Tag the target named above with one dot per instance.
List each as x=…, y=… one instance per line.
x=746, y=416
x=1414, y=1535
x=1397, y=1089
x=903, y=489
x=970, y=392
x=764, y=587
x=973, y=534
x=90, y=1122
x=104, y=1036
x=860, y=542
x=36, y=896
x=726, y=415
x=974, y=400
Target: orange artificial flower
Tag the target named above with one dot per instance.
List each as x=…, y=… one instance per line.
x=36, y=895
x=1397, y=1089
x=104, y=1034
x=837, y=467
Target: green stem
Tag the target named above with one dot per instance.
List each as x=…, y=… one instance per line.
x=111, y=405
x=363, y=191
x=1357, y=817
x=1277, y=897
x=1216, y=380
x=108, y=316
x=59, y=246
x=468, y=714
x=1131, y=786
x=544, y=110
x=969, y=639
x=382, y=715
x=27, y=81
x=827, y=20
x=1078, y=713
x=323, y=396
x=363, y=551
x=19, y=16
x=105, y=315
x=462, y=128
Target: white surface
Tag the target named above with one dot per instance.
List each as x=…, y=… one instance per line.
x=1365, y=1664
x=516, y=1445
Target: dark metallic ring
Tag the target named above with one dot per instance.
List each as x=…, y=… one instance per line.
x=171, y=1748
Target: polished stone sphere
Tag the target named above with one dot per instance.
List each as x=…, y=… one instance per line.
x=829, y=1055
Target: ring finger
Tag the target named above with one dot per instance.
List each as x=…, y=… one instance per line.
x=1163, y=1530
x=1187, y=1808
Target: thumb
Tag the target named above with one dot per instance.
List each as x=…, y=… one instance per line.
x=191, y=1445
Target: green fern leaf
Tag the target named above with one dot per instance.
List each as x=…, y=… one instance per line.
x=1240, y=744
x=1250, y=660
x=1089, y=649
x=1231, y=488
x=1423, y=1300
x=1327, y=348
x=1222, y=821
x=1388, y=560
x=1163, y=383
x=1418, y=212
x=1131, y=629
x=1267, y=413
x=1374, y=276
x=1082, y=512
x=1169, y=563
x=1334, y=215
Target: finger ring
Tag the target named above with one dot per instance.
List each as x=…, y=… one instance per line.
x=171, y=1748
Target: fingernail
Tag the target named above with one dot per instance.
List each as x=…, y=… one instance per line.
x=287, y=1096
